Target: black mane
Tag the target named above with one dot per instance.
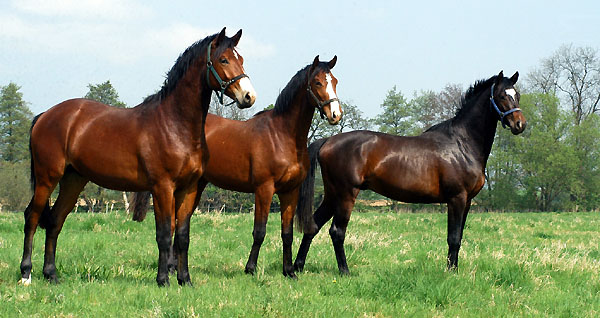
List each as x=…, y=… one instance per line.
x=184, y=61
x=467, y=101
x=298, y=81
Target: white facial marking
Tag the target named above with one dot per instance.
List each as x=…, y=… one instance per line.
x=25, y=281
x=512, y=93
x=235, y=53
x=335, y=105
x=245, y=87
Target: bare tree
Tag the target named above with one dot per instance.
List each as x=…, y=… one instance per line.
x=574, y=75
x=227, y=111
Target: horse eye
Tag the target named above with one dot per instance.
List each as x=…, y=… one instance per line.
x=318, y=84
x=224, y=61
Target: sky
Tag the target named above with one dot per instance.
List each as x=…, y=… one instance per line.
x=54, y=48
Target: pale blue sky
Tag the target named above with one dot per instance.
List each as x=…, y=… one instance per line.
x=54, y=48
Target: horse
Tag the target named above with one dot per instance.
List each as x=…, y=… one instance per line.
x=268, y=153
x=157, y=146
x=445, y=164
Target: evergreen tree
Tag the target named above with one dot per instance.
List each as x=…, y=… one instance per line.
x=104, y=93
x=15, y=120
x=396, y=117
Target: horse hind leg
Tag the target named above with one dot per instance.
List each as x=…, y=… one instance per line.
x=37, y=209
x=71, y=185
x=323, y=214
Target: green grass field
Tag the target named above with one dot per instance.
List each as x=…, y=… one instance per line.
x=510, y=265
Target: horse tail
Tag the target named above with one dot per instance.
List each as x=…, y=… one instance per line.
x=139, y=203
x=45, y=220
x=304, y=220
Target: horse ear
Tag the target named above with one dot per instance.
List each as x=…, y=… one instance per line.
x=314, y=64
x=236, y=37
x=499, y=77
x=219, y=38
x=331, y=63
x=514, y=78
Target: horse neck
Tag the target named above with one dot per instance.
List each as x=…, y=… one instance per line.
x=297, y=118
x=479, y=126
x=185, y=108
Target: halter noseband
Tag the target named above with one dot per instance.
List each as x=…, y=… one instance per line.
x=320, y=104
x=210, y=68
x=500, y=113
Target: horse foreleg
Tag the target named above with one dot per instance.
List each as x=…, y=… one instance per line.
x=186, y=205
x=321, y=216
x=71, y=185
x=164, y=208
x=458, y=208
x=288, y=207
x=262, y=202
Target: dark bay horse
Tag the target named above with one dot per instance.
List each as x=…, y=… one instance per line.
x=445, y=164
x=157, y=146
x=267, y=154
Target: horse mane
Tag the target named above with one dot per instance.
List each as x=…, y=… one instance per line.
x=284, y=100
x=184, y=61
x=466, y=102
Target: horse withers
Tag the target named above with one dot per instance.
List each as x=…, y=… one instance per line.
x=445, y=164
x=157, y=146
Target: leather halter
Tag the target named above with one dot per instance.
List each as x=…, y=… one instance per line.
x=223, y=85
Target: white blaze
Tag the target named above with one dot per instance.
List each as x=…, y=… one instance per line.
x=335, y=105
x=245, y=87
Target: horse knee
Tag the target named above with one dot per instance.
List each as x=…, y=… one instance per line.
x=287, y=238
x=337, y=234
x=259, y=235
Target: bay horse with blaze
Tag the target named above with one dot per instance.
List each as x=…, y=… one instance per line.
x=157, y=146
x=268, y=154
x=445, y=164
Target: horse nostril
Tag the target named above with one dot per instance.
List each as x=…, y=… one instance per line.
x=518, y=124
x=334, y=116
x=247, y=97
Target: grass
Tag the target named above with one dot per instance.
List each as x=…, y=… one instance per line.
x=510, y=265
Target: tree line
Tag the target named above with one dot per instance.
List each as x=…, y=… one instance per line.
x=553, y=166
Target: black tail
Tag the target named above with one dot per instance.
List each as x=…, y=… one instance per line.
x=139, y=203
x=45, y=219
x=304, y=220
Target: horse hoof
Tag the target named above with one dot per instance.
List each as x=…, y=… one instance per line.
x=290, y=275
x=344, y=272
x=162, y=283
x=185, y=282
x=299, y=268
x=250, y=270
x=25, y=281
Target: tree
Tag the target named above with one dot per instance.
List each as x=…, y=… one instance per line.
x=352, y=119
x=15, y=120
x=97, y=198
x=104, y=93
x=396, y=117
x=548, y=155
x=574, y=74
x=429, y=108
x=231, y=111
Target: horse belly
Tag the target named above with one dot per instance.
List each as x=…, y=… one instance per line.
x=407, y=183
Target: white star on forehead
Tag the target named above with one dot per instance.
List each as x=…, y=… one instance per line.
x=511, y=92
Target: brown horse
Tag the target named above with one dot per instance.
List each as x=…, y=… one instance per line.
x=267, y=154
x=445, y=164
x=157, y=146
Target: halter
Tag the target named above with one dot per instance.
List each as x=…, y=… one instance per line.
x=222, y=84
x=320, y=104
x=500, y=113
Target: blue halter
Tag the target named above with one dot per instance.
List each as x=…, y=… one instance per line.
x=500, y=113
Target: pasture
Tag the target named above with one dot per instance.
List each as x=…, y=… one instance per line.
x=511, y=265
